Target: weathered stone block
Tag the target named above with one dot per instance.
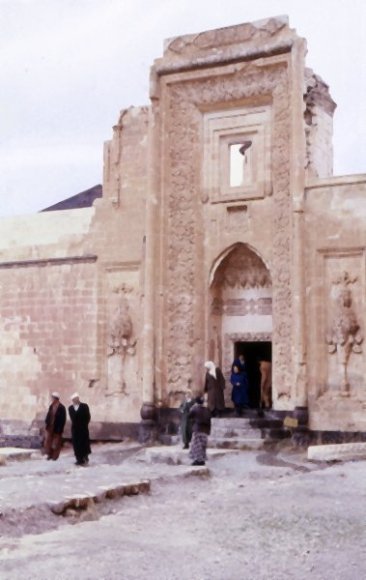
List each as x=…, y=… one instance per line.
x=340, y=452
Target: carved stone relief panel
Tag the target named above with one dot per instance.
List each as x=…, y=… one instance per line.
x=344, y=324
x=244, y=306
x=183, y=104
x=121, y=331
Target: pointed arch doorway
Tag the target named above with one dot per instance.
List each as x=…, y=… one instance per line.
x=240, y=320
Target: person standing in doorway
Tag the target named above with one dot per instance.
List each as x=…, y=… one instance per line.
x=239, y=394
x=55, y=424
x=80, y=419
x=265, y=367
x=214, y=387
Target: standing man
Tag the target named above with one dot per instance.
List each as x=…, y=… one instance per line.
x=55, y=423
x=80, y=418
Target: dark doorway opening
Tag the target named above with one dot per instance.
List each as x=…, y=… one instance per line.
x=254, y=352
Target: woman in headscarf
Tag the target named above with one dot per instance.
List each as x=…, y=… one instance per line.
x=214, y=387
x=201, y=427
x=240, y=392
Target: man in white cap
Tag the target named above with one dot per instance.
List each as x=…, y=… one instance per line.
x=55, y=424
x=80, y=419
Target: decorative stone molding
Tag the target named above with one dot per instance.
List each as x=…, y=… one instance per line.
x=232, y=338
x=87, y=259
x=249, y=337
x=242, y=306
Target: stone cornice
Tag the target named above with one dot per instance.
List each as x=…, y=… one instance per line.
x=49, y=262
x=229, y=56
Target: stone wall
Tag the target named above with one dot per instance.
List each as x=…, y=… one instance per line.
x=70, y=282
x=336, y=290
x=48, y=313
x=318, y=115
x=119, y=301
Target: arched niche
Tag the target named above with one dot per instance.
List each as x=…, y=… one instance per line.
x=240, y=317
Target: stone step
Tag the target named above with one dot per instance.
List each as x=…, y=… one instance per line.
x=257, y=422
x=238, y=432
x=237, y=443
x=246, y=432
x=249, y=433
x=14, y=454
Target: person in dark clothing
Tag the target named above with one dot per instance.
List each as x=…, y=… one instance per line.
x=80, y=418
x=201, y=427
x=186, y=423
x=240, y=392
x=55, y=424
x=214, y=387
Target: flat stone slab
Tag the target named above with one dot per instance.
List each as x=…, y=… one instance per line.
x=14, y=454
x=173, y=455
x=337, y=452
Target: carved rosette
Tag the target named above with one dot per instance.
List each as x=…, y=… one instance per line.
x=183, y=150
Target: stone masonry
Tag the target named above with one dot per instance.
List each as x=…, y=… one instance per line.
x=221, y=228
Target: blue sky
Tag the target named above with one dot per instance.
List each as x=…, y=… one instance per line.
x=68, y=67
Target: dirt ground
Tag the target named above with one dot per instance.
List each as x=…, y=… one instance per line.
x=255, y=515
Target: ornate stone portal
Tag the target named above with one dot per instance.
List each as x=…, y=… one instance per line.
x=221, y=223
x=241, y=305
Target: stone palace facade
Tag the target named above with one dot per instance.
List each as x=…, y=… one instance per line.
x=221, y=230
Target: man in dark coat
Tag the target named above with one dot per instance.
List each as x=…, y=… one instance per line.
x=80, y=418
x=55, y=424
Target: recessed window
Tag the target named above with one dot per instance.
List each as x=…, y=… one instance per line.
x=240, y=167
x=237, y=154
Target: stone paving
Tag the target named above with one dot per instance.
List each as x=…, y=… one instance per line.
x=268, y=515
x=28, y=480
